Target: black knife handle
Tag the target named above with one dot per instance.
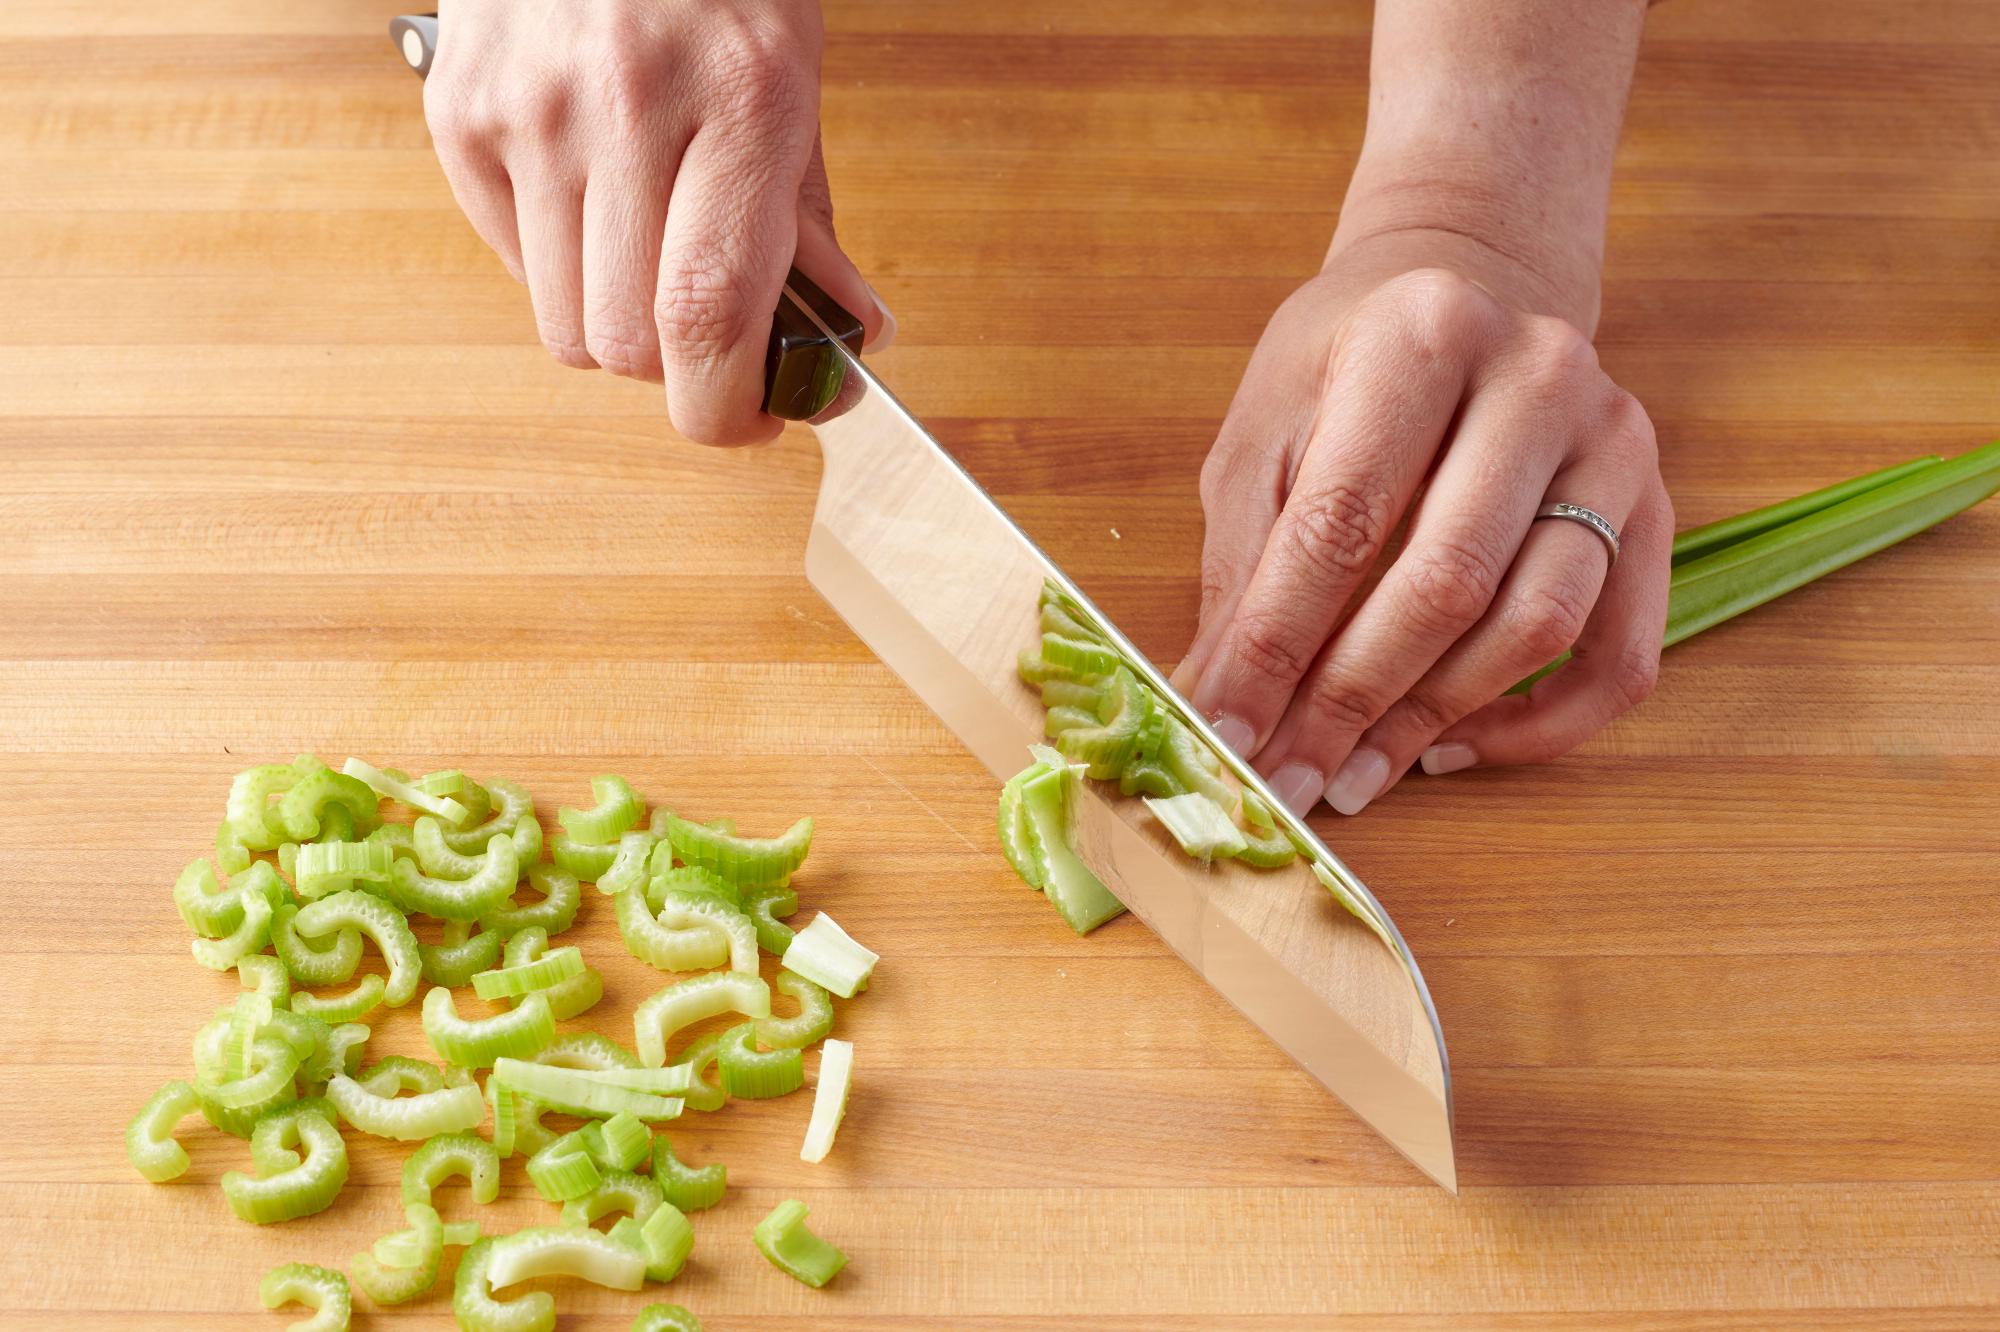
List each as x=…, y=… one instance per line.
x=802, y=371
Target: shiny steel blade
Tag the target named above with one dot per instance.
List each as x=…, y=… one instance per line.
x=943, y=586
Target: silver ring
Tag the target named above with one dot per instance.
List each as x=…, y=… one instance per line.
x=1590, y=518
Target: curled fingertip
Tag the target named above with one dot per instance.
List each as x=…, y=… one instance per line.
x=1361, y=778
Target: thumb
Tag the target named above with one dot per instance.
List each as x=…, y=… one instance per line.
x=820, y=258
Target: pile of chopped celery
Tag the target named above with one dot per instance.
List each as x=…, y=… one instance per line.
x=310, y=871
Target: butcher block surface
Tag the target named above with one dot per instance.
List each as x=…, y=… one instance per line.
x=285, y=470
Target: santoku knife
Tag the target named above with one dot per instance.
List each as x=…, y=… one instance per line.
x=945, y=588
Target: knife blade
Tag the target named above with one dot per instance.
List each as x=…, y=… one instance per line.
x=945, y=588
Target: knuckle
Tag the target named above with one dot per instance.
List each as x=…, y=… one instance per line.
x=1451, y=583
x=1341, y=706
x=623, y=348
x=1548, y=620
x=1556, y=358
x=1632, y=674
x=701, y=310
x=567, y=346
x=1336, y=532
x=759, y=76
x=1630, y=427
x=1270, y=646
x=1436, y=310
x=1420, y=714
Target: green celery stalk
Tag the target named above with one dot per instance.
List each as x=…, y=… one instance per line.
x=1724, y=583
x=1728, y=582
x=1709, y=538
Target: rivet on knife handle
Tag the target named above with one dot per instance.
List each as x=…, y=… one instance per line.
x=802, y=371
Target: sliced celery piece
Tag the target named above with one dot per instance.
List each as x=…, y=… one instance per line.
x=471, y=796
x=329, y=867
x=307, y=1187
x=1265, y=846
x=352, y=1006
x=686, y=1002
x=688, y=949
x=436, y=856
x=695, y=881
x=250, y=936
x=505, y=1107
x=697, y=1058
x=621, y=1142
x=585, y=861
x=318, y=1289
x=561, y=896
x=1084, y=902
x=300, y=810
x=567, y=998
x=447, y=1155
x=528, y=839
x=617, y=1191
x=471, y=898
x=812, y=1022
x=149, y=1139
x=399, y=1285
x=381, y=783
x=628, y=869
x=667, y=1239
x=460, y=953
x=1035, y=669
x=380, y=922
x=1199, y=825
x=516, y=807
x=408, y=1118
x=273, y=1063
x=478, y=1042
x=1078, y=656
x=511, y=982
x=687, y=911
x=665, y=1318
x=564, y=1251
x=326, y=961
x=1107, y=744
x=794, y=1250
x=585, y=1092
x=586, y=1050
x=836, y=1077
x=754, y=1074
x=266, y=975
x=231, y=856
x=617, y=810
x=563, y=1170
x=744, y=861
x=766, y=908
x=823, y=953
x=251, y=1014
x=394, y=1074
x=690, y=1188
x=214, y=909
x=338, y=1052
x=1017, y=837
x=252, y=818
x=405, y=1248
x=476, y=1310
x=1065, y=718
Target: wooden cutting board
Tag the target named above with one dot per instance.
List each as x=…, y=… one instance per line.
x=284, y=470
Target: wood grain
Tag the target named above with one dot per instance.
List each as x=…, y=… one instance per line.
x=285, y=470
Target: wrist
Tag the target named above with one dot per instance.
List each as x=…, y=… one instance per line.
x=1388, y=237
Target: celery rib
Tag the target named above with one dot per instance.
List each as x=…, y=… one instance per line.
x=794, y=1250
x=322, y=1291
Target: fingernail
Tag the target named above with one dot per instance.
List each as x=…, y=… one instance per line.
x=1298, y=785
x=1359, y=781
x=1448, y=757
x=1236, y=733
x=881, y=341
